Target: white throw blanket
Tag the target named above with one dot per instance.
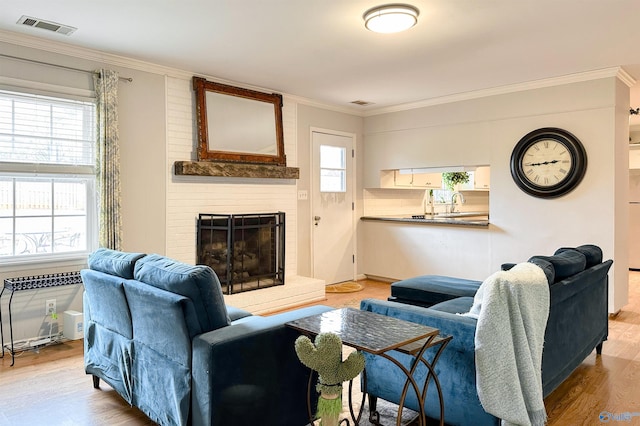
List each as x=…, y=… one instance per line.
x=512, y=308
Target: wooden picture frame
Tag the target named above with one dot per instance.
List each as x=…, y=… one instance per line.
x=238, y=125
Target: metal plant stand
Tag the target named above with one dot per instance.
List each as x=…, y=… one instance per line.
x=31, y=283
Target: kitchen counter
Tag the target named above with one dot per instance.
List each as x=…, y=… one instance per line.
x=462, y=219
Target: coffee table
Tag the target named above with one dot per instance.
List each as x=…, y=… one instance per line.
x=378, y=335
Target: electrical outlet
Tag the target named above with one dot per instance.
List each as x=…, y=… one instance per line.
x=50, y=307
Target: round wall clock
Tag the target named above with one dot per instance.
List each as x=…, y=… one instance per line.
x=548, y=162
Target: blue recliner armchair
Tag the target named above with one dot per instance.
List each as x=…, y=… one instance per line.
x=159, y=333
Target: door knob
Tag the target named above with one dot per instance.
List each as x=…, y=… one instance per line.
x=316, y=218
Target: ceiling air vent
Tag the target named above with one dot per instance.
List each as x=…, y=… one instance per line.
x=46, y=25
x=361, y=103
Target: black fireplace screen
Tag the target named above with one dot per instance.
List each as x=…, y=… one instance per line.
x=245, y=250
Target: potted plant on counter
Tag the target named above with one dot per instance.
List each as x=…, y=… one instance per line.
x=451, y=179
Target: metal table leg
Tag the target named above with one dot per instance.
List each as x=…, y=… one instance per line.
x=1, y=329
x=13, y=359
x=420, y=396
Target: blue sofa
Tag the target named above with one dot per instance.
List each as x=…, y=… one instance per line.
x=158, y=332
x=577, y=323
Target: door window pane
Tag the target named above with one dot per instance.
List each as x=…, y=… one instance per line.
x=332, y=157
x=332, y=180
x=333, y=173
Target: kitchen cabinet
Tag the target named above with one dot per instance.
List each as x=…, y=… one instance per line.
x=427, y=180
x=478, y=180
x=403, y=178
x=406, y=179
x=481, y=177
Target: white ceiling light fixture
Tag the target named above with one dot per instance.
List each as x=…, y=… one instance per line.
x=391, y=18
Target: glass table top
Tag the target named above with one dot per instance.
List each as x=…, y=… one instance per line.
x=363, y=330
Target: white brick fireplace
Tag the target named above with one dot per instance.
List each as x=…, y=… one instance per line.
x=188, y=196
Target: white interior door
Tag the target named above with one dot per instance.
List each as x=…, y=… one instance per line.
x=332, y=207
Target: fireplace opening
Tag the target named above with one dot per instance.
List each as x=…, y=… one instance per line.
x=246, y=251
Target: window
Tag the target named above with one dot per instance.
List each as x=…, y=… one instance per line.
x=47, y=177
x=333, y=169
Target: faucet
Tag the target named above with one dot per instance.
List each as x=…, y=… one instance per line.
x=453, y=200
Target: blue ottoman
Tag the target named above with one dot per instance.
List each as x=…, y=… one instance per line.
x=428, y=290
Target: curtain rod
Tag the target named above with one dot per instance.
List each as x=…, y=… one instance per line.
x=129, y=79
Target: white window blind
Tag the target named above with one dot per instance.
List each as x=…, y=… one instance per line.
x=46, y=130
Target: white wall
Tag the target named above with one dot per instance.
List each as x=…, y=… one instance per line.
x=484, y=131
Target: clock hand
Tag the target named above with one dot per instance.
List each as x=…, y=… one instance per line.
x=543, y=164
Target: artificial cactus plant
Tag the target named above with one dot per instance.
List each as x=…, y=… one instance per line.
x=325, y=357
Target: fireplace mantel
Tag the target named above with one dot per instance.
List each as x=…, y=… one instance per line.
x=211, y=168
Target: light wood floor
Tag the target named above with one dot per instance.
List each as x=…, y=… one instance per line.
x=50, y=387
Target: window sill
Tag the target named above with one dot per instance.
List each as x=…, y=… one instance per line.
x=74, y=261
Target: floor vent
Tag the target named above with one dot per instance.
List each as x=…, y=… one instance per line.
x=46, y=25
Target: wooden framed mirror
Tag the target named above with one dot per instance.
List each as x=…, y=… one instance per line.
x=238, y=125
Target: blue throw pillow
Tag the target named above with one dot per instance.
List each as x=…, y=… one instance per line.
x=565, y=263
x=114, y=262
x=547, y=268
x=507, y=266
x=592, y=253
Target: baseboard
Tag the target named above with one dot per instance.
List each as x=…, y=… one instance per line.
x=383, y=279
x=291, y=307
x=33, y=342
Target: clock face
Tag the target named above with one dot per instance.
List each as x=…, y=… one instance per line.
x=548, y=162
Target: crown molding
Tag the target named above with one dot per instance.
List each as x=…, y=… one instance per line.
x=317, y=104
x=625, y=77
x=89, y=54
x=616, y=72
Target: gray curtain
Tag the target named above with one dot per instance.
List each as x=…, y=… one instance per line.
x=108, y=160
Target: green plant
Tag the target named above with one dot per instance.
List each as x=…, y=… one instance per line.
x=451, y=179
